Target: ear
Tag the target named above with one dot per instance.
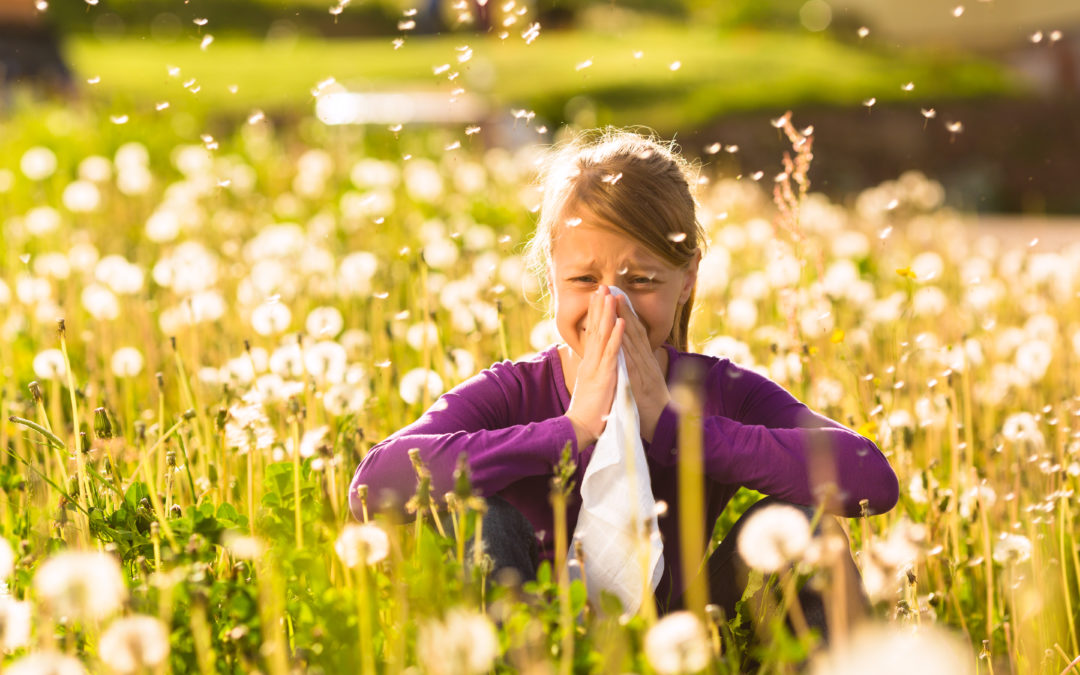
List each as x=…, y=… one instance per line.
x=691, y=277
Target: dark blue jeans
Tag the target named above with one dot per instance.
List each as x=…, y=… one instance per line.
x=511, y=543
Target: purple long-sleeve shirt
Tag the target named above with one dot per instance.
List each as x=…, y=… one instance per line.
x=509, y=420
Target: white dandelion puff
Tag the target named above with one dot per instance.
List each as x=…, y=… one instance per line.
x=774, y=537
x=81, y=584
x=49, y=364
x=414, y=382
x=46, y=663
x=134, y=644
x=678, y=643
x=365, y=543
x=463, y=643
x=1012, y=548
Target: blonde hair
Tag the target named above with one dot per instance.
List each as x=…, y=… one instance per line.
x=632, y=183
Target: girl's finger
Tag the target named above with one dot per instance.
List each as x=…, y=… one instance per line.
x=607, y=318
x=614, y=343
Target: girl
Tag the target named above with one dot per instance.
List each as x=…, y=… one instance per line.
x=618, y=211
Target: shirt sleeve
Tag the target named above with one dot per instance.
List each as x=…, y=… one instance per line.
x=482, y=418
x=766, y=440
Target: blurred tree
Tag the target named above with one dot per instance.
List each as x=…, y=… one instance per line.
x=30, y=49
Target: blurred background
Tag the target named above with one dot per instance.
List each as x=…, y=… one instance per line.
x=981, y=95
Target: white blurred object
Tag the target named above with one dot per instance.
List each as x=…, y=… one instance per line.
x=618, y=509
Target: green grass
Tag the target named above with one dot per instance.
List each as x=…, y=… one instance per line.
x=719, y=72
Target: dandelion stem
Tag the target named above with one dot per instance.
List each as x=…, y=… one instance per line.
x=367, y=657
x=298, y=522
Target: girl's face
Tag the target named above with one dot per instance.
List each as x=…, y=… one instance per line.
x=586, y=256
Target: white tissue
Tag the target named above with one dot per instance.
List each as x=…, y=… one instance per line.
x=617, y=522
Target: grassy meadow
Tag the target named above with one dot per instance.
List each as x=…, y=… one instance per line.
x=673, y=76
x=201, y=334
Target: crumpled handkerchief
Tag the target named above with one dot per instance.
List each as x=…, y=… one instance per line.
x=618, y=509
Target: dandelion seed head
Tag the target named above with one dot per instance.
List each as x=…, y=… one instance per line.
x=81, y=584
x=774, y=537
x=46, y=662
x=38, y=163
x=678, y=643
x=134, y=644
x=365, y=543
x=463, y=642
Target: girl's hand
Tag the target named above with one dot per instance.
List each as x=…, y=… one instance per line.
x=646, y=377
x=597, y=373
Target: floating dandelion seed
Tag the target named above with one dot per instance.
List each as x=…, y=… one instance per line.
x=118, y=119
x=409, y=12
x=453, y=146
x=778, y=122
x=41, y=5
x=92, y=2
x=469, y=131
x=337, y=10
x=233, y=88
x=256, y=117
x=1033, y=242
x=1036, y=37
x=189, y=83
x=406, y=25
x=893, y=203
x=954, y=127
x=928, y=113
x=612, y=179
x=439, y=70
x=465, y=55
x=206, y=42
x=757, y=175
x=863, y=32
x=638, y=54
x=25, y=258
x=395, y=128
x=731, y=149
x=869, y=103
x=1055, y=36
x=713, y=148
x=675, y=65
x=677, y=237
x=93, y=80
x=531, y=33
x=573, y=222
x=199, y=21
x=161, y=106
x=173, y=71
x=958, y=11
x=583, y=65
x=909, y=86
